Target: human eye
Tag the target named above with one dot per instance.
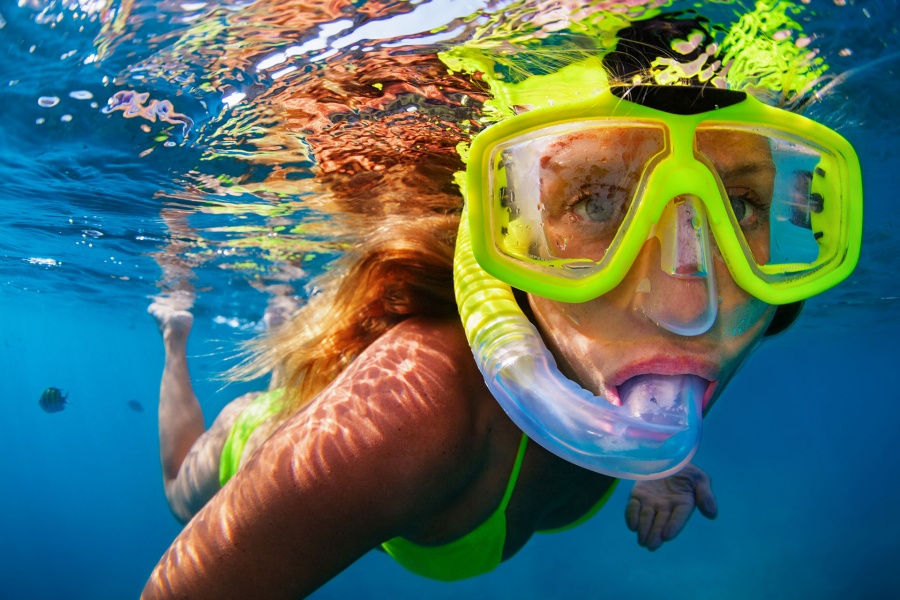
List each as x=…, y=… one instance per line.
x=747, y=206
x=599, y=202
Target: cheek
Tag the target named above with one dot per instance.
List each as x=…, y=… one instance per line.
x=555, y=322
x=759, y=246
x=743, y=315
x=739, y=312
x=594, y=318
x=582, y=337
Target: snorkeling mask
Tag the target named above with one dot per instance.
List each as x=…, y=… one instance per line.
x=560, y=202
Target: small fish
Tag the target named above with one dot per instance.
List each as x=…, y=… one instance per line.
x=135, y=406
x=53, y=400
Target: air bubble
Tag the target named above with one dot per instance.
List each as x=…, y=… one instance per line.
x=48, y=101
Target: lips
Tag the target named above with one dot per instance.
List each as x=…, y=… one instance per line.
x=651, y=375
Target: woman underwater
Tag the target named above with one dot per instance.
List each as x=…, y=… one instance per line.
x=653, y=235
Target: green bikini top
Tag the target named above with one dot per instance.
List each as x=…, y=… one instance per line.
x=479, y=551
x=260, y=410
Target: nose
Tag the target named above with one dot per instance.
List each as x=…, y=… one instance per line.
x=676, y=283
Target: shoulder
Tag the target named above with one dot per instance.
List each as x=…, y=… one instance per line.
x=419, y=385
x=405, y=422
x=427, y=355
x=400, y=436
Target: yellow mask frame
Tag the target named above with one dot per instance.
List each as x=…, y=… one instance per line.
x=683, y=171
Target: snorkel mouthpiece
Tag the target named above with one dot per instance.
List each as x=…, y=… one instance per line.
x=653, y=434
x=662, y=399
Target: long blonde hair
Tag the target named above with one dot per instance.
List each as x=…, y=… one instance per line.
x=399, y=266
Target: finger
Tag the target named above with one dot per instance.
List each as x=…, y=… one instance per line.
x=632, y=513
x=654, y=536
x=677, y=521
x=645, y=523
x=706, y=501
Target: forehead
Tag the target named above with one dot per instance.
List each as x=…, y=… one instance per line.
x=626, y=144
x=608, y=144
x=727, y=147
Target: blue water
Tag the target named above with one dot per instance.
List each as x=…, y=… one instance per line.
x=802, y=449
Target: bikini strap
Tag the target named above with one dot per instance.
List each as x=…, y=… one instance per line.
x=514, y=476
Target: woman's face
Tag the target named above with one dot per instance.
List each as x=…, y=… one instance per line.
x=604, y=342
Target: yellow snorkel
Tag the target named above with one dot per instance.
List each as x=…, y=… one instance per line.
x=621, y=441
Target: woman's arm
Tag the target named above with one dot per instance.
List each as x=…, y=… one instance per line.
x=388, y=444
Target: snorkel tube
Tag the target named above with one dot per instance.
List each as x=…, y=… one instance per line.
x=645, y=438
x=656, y=430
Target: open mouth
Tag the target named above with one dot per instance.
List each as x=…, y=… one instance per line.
x=654, y=396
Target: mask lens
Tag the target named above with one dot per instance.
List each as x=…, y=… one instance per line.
x=562, y=195
x=782, y=193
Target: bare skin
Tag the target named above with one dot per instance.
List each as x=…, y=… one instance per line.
x=603, y=342
x=658, y=510
x=189, y=454
x=424, y=454
x=409, y=442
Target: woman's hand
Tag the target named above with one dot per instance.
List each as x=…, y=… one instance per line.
x=658, y=510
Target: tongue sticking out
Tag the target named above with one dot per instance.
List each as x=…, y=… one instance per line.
x=662, y=399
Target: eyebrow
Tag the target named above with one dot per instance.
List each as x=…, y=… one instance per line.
x=747, y=168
